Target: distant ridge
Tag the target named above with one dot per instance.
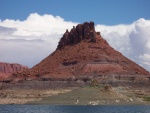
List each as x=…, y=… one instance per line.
x=6, y=69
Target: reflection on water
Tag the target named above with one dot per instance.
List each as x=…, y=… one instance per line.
x=72, y=109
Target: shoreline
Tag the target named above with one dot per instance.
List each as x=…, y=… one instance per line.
x=24, y=96
x=87, y=95
x=91, y=96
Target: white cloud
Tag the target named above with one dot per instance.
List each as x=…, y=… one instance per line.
x=27, y=52
x=132, y=40
x=38, y=25
x=29, y=41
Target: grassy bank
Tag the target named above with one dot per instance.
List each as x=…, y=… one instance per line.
x=101, y=95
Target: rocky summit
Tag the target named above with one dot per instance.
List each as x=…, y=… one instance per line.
x=82, y=54
x=77, y=34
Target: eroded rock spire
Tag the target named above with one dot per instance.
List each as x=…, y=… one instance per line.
x=80, y=32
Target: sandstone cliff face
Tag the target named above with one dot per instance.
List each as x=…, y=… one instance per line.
x=11, y=68
x=6, y=69
x=77, y=34
x=83, y=53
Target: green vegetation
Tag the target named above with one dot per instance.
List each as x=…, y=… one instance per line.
x=94, y=83
x=89, y=95
x=147, y=98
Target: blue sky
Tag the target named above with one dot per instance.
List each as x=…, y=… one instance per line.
x=108, y=12
x=31, y=29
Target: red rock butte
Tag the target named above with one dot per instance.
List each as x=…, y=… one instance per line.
x=82, y=53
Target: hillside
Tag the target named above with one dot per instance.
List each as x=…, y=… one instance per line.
x=83, y=53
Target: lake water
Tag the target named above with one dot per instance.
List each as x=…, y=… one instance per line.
x=72, y=109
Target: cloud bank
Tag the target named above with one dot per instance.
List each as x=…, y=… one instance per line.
x=132, y=40
x=28, y=42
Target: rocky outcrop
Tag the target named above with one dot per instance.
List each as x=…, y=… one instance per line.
x=7, y=69
x=11, y=68
x=77, y=34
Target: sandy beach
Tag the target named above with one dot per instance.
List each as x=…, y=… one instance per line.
x=24, y=96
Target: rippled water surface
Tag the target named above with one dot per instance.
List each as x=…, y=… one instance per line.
x=72, y=109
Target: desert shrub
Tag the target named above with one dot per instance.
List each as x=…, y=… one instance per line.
x=94, y=83
x=147, y=98
x=107, y=87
